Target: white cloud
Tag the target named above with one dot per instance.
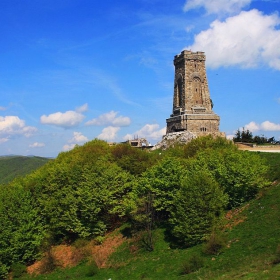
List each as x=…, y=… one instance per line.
x=109, y=133
x=217, y=6
x=37, y=145
x=11, y=126
x=230, y=136
x=2, y=108
x=111, y=119
x=252, y=126
x=66, y=120
x=265, y=126
x=68, y=147
x=78, y=137
x=148, y=131
x=249, y=39
x=82, y=108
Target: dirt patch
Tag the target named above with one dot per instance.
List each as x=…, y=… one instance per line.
x=64, y=256
x=235, y=217
x=58, y=256
x=102, y=252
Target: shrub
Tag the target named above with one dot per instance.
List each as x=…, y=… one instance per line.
x=193, y=264
x=215, y=244
x=18, y=269
x=91, y=269
x=3, y=270
x=49, y=263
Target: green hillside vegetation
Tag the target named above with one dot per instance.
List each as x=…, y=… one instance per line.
x=201, y=211
x=15, y=166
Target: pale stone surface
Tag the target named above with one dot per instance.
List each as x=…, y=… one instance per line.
x=192, y=114
x=170, y=139
x=192, y=105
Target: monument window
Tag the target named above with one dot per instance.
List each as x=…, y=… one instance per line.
x=197, y=91
x=179, y=92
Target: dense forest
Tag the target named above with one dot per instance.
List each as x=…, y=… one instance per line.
x=95, y=188
x=16, y=166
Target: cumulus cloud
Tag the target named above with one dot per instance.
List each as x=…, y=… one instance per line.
x=37, y=145
x=249, y=39
x=77, y=138
x=65, y=120
x=109, y=133
x=149, y=131
x=217, y=6
x=110, y=119
x=68, y=147
x=13, y=126
x=265, y=126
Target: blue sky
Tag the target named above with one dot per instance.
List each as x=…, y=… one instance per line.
x=75, y=70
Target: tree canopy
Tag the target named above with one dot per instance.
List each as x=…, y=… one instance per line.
x=94, y=188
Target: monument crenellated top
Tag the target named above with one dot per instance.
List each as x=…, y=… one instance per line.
x=187, y=54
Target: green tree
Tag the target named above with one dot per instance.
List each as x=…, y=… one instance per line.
x=133, y=160
x=22, y=229
x=241, y=174
x=207, y=142
x=197, y=208
x=162, y=181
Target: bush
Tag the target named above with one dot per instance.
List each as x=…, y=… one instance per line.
x=49, y=263
x=3, y=271
x=215, y=244
x=193, y=264
x=18, y=269
x=91, y=269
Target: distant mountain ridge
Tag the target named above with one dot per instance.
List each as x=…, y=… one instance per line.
x=13, y=166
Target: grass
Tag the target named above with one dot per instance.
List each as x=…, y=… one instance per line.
x=251, y=249
x=17, y=166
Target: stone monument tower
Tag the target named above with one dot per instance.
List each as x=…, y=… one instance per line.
x=192, y=106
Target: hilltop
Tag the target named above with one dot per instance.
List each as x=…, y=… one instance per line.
x=13, y=166
x=196, y=211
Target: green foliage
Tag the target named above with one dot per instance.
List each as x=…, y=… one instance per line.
x=133, y=160
x=16, y=166
x=272, y=160
x=215, y=244
x=22, y=229
x=276, y=259
x=247, y=137
x=78, y=193
x=4, y=269
x=207, y=142
x=162, y=181
x=18, y=270
x=243, y=136
x=198, y=206
x=239, y=173
x=250, y=251
x=194, y=263
x=91, y=269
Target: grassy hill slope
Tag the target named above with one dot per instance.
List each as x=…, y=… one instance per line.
x=252, y=238
x=15, y=166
